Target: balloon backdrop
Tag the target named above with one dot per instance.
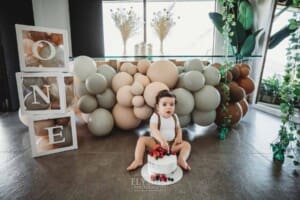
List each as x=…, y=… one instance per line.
x=108, y=98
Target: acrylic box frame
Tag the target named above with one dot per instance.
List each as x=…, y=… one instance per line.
x=59, y=35
x=33, y=137
x=61, y=91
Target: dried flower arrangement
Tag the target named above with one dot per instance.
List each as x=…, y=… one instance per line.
x=162, y=22
x=127, y=21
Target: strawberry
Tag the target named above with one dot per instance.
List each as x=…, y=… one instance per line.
x=156, y=147
x=153, y=177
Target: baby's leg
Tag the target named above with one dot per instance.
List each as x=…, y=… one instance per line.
x=142, y=143
x=184, y=150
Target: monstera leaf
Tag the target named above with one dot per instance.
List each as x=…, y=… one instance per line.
x=249, y=44
x=245, y=15
x=217, y=20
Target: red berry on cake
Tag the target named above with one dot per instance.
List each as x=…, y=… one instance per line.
x=153, y=177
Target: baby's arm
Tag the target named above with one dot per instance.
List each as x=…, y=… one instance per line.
x=156, y=134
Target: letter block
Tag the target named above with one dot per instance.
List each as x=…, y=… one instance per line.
x=45, y=93
x=42, y=49
x=52, y=133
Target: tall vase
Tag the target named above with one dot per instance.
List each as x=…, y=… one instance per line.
x=124, y=47
x=162, y=47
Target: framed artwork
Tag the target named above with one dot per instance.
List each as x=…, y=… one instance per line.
x=42, y=49
x=45, y=93
x=51, y=134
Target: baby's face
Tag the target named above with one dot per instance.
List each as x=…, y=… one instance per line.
x=166, y=106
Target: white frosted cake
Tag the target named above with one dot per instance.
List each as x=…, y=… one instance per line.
x=161, y=168
x=165, y=165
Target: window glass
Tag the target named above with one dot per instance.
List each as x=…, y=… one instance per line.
x=192, y=34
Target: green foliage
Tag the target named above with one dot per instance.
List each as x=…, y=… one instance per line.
x=271, y=85
x=235, y=24
x=249, y=44
x=291, y=27
x=288, y=133
x=217, y=20
x=245, y=15
x=279, y=36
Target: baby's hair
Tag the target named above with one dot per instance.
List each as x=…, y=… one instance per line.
x=164, y=93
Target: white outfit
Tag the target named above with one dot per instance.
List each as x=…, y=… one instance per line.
x=167, y=126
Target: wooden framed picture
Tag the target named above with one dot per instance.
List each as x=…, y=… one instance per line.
x=45, y=93
x=42, y=49
x=51, y=134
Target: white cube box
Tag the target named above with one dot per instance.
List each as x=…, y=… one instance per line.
x=42, y=49
x=52, y=133
x=45, y=93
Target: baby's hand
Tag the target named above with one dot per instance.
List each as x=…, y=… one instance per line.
x=165, y=145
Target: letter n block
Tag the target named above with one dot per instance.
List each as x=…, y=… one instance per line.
x=45, y=93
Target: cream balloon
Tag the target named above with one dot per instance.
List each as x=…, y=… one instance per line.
x=84, y=66
x=106, y=125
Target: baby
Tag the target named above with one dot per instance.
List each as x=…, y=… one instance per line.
x=165, y=130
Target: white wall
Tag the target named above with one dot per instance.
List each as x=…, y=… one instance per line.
x=53, y=14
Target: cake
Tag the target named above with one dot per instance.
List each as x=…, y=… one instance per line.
x=161, y=164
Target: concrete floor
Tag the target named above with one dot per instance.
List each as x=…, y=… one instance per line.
x=239, y=167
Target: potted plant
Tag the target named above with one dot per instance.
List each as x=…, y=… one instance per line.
x=270, y=88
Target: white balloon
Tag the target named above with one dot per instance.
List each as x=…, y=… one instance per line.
x=84, y=66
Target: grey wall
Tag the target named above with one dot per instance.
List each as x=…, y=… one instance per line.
x=12, y=12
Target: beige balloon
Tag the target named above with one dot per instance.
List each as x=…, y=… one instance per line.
x=144, y=80
x=163, y=71
x=137, y=88
x=124, y=117
x=124, y=96
x=138, y=101
x=152, y=90
x=121, y=79
x=143, y=66
x=143, y=112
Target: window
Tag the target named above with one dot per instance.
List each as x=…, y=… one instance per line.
x=192, y=34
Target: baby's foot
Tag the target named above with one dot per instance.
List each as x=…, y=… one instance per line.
x=182, y=163
x=134, y=165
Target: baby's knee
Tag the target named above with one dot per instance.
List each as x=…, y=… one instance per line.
x=187, y=144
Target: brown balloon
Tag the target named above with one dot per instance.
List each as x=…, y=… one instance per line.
x=36, y=35
x=244, y=70
x=62, y=121
x=234, y=110
x=244, y=104
x=247, y=84
x=235, y=72
x=216, y=65
x=56, y=38
x=236, y=93
x=245, y=65
x=68, y=80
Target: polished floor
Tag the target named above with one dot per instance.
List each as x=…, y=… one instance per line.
x=239, y=167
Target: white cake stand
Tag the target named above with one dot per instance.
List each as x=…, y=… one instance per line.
x=176, y=175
